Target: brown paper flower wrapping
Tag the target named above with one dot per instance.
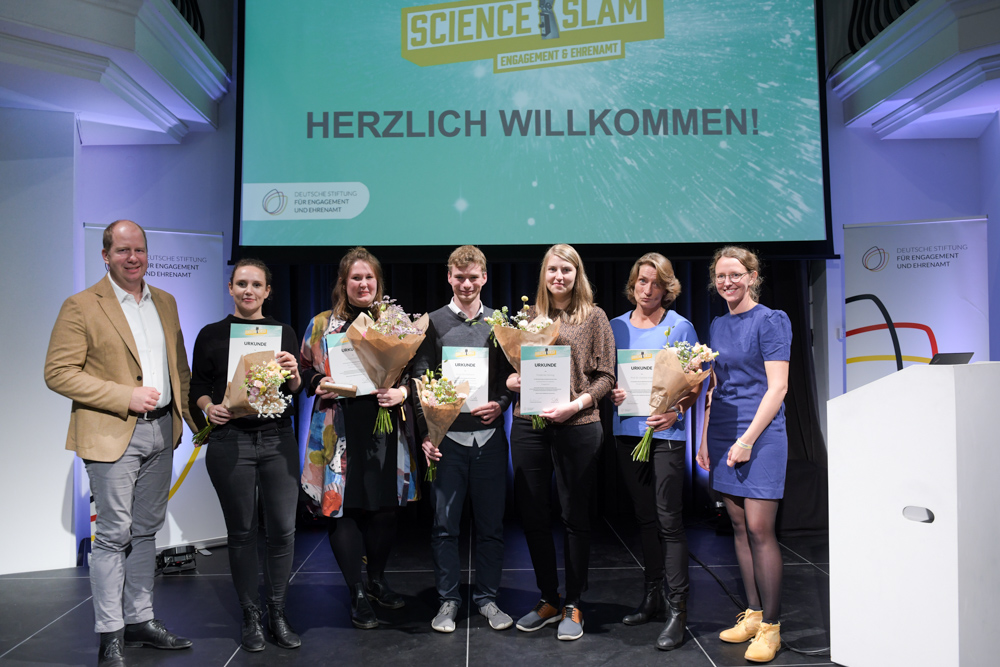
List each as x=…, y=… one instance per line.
x=384, y=357
x=511, y=340
x=236, y=399
x=441, y=417
x=670, y=382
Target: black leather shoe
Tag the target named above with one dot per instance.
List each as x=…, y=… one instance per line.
x=672, y=634
x=652, y=605
x=252, y=632
x=378, y=590
x=362, y=614
x=153, y=633
x=280, y=629
x=111, y=653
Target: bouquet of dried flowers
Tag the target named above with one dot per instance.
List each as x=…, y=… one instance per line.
x=513, y=331
x=255, y=388
x=385, y=342
x=677, y=371
x=441, y=401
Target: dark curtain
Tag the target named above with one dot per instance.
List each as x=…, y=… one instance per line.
x=301, y=291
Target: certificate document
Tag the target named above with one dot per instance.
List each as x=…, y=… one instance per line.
x=468, y=364
x=544, y=377
x=247, y=338
x=635, y=376
x=344, y=366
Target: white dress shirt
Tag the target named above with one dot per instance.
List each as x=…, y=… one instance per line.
x=147, y=330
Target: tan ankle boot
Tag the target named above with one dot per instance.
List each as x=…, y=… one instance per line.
x=765, y=644
x=745, y=628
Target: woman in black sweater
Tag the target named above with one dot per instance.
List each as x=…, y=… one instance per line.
x=252, y=456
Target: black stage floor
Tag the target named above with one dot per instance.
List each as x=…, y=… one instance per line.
x=46, y=618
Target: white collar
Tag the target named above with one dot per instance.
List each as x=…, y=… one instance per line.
x=458, y=311
x=121, y=294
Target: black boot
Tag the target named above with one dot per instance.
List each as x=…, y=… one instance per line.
x=378, y=590
x=652, y=604
x=252, y=633
x=112, y=651
x=362, y=614
x=672, y=634
x=280, y=629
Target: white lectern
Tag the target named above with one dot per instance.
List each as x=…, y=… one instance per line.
x=915, y=518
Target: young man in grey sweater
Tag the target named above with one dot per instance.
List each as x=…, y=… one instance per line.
x=472, y=458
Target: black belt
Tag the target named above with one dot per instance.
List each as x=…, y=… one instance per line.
x=153, y=415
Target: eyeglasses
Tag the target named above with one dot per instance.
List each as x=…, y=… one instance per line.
x=733, y=277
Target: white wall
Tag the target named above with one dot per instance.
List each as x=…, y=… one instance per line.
x=49, y=187
x=989, y=153
x=37, y=260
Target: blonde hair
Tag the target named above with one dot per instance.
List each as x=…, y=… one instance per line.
x=465, y=255
x=581, y=301
x=664, y=276
x=747, y=258
x=341, y=305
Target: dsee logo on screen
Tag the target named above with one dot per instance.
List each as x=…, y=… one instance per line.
x=274, y=202
x=527, y=34
x=875, y=259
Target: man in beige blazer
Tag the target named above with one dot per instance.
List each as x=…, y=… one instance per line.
x=117, y=351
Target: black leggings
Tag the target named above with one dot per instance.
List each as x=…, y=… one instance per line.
x=570, y=452
x=359, y=533
x=657, y=489
x=242, y=466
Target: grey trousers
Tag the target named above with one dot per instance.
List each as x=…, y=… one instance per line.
x=130, y=496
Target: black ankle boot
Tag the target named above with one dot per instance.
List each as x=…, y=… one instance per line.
x=378, y=590
x=362, y=614
x=652, y=604
x=252, y=633
x=672, y=634
x=112, y=651
x=280, y=628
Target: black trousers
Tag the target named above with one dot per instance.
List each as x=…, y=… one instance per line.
x=571, y=454
x=656, y=488
x=241, y=465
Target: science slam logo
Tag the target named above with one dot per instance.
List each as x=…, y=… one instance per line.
x=527, y=34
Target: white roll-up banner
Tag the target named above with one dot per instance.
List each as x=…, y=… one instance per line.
x=913, y=290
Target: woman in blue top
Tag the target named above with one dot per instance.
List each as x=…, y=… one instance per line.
x=745, y=445
x=656, y=487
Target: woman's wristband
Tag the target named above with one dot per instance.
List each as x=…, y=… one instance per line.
x=743, y=445
x=579, y=404
x=404, y=392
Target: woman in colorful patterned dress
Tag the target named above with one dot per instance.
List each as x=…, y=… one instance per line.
x=356, y=477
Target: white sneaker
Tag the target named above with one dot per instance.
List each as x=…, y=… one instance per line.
x=498, y=620
x=445, y=619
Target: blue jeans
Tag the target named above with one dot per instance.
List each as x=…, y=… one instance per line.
x=480, y=472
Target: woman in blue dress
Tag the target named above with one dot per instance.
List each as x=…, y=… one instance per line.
x=745, y=445
x=656, y=487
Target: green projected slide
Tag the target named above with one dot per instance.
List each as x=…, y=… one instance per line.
x=530, y=122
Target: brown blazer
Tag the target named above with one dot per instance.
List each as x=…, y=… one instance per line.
x=92, y=359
